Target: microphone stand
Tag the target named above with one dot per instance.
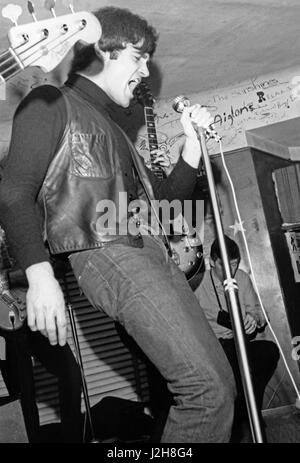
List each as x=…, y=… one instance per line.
x=93, y=440
x=231, y=293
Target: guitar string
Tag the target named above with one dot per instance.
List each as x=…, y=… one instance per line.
x=13, y=301
x=6, y=52
x=3, y=62
x=25, y=59
x=49, y=49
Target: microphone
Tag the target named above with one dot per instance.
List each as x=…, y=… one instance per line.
x=181, y=102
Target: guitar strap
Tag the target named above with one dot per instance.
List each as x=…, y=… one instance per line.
x=216, y=292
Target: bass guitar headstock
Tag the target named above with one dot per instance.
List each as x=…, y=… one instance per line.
x=45, y=43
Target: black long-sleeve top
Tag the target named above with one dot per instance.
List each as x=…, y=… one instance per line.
x=38, y=126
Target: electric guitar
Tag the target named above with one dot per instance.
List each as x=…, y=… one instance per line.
x=44, y=43
x=186, y=248
x=12, y=308
x=12, y=312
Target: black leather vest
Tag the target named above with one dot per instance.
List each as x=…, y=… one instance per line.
x=84, y=174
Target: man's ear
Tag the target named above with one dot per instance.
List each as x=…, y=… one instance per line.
x=114, y=54
x=102, y=55
x=105, y=55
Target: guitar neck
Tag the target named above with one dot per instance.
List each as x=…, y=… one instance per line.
x=9, y=65
x=152, y=139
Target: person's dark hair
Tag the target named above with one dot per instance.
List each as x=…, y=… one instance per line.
x=231, y=246
x=119, y=28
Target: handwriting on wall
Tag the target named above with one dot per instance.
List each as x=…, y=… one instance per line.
x=255, y=103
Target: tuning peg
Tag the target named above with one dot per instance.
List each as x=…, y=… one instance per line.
x=50, y=5
x=69, y=4
x=30, y=7
x=12, y=12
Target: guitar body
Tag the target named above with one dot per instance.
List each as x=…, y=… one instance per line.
x=186, y=249
x=187, y=253
x=12, y=312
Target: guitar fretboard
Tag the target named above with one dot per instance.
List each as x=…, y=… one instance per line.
x=152, y=139
x=9, y=65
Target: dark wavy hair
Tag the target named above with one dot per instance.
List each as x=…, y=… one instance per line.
x=119, y=28
x=231, y=246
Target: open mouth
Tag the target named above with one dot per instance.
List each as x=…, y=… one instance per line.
x=133, y=83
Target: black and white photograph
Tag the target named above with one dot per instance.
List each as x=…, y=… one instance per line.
x=149, y=225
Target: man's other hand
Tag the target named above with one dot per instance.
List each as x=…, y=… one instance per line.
x=46, y=310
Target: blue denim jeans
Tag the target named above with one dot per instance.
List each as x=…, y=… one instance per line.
x=148, y=294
